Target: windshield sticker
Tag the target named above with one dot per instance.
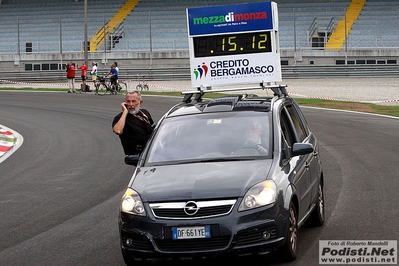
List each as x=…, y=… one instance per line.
x=214, y=121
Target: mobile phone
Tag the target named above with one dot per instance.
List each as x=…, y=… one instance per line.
x=126, y=106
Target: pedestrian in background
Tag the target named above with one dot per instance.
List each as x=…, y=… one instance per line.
x=70, y=69
x=83, y=68
x=93, y=73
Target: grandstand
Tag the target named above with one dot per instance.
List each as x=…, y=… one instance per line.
x=377, y=26
x=153, y=33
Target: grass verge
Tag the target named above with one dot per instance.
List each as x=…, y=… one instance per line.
x=391, y=110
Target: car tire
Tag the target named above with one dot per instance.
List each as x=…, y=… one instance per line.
x=317, y=217
x=289, y=251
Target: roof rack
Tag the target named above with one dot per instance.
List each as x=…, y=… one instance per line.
x=278, y=90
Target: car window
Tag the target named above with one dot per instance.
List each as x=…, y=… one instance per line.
x=303, y=118
x=286, y=128
x=212, y=135
x=298, y=125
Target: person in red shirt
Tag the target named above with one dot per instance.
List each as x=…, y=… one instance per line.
x=70, y=69
x=83, y=68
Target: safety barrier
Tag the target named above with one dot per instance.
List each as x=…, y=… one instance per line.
x=159, y=74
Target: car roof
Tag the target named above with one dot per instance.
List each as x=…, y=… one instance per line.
x=193, y=102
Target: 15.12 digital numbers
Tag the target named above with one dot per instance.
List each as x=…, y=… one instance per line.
x=232, y=44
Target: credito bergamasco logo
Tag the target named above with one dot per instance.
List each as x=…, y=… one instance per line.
x=201, y=71
x=232, y=69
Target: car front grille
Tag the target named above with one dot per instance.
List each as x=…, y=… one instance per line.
x=192, y=209
x=193, y=245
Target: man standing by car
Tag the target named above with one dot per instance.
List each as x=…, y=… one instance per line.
x=133, y=125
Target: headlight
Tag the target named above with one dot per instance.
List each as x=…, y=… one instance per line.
x=131, y=203
x=259, y=195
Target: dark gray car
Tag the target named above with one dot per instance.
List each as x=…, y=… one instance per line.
x=239, y=173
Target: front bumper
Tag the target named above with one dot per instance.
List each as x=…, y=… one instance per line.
x=258, y=230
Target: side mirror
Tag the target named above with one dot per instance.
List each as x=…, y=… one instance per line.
x=301, y=149
x=132, y=159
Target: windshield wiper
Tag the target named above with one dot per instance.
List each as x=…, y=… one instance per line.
x=210, y=160
x=204, y=160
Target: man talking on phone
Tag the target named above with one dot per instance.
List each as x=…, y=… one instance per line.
x=133, y=125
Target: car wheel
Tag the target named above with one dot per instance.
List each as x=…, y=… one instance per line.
x=318, y=214
x=289, y=250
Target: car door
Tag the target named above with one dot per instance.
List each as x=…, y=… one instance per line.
x=303, y=135
x=313, y=158
x=299, y=174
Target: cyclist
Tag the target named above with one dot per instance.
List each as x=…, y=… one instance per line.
x=116, y=67
x=113, y=73
x=117, y=70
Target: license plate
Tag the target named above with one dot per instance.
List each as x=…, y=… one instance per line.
x=191, y=232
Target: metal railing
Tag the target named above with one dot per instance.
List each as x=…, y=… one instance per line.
x=288, y=72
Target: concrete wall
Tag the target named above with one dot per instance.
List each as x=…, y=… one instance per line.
x=170, y=59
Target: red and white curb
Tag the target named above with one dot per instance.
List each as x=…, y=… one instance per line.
x=10, y=141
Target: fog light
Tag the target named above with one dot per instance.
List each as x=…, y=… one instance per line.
x=266, y=235
x=129, y=242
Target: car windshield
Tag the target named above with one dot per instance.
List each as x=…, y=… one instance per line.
x=212, y=137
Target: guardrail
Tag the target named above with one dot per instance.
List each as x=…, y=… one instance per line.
x=288, y=72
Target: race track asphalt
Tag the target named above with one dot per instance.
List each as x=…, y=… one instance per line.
x=60, y=191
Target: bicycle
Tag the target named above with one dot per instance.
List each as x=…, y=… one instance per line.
x=104, y=86
x=121, y=87
x=142, y=84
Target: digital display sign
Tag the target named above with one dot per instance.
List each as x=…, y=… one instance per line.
x=234, y=44
x=231, y=44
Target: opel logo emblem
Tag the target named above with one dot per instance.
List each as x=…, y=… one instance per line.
x=191, y=208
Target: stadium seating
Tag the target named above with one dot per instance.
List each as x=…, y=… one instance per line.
x=169, y=31
x=52, y=26
x=377, y=26
x=43, y=22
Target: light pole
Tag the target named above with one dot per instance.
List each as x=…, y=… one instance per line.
x=86, y=39
x=61, y=40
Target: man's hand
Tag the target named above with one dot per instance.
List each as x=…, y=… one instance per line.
x=124, y=107
x=261, y=149
x=119, y=126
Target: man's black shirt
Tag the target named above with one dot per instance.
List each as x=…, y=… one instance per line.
x=136, y=132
